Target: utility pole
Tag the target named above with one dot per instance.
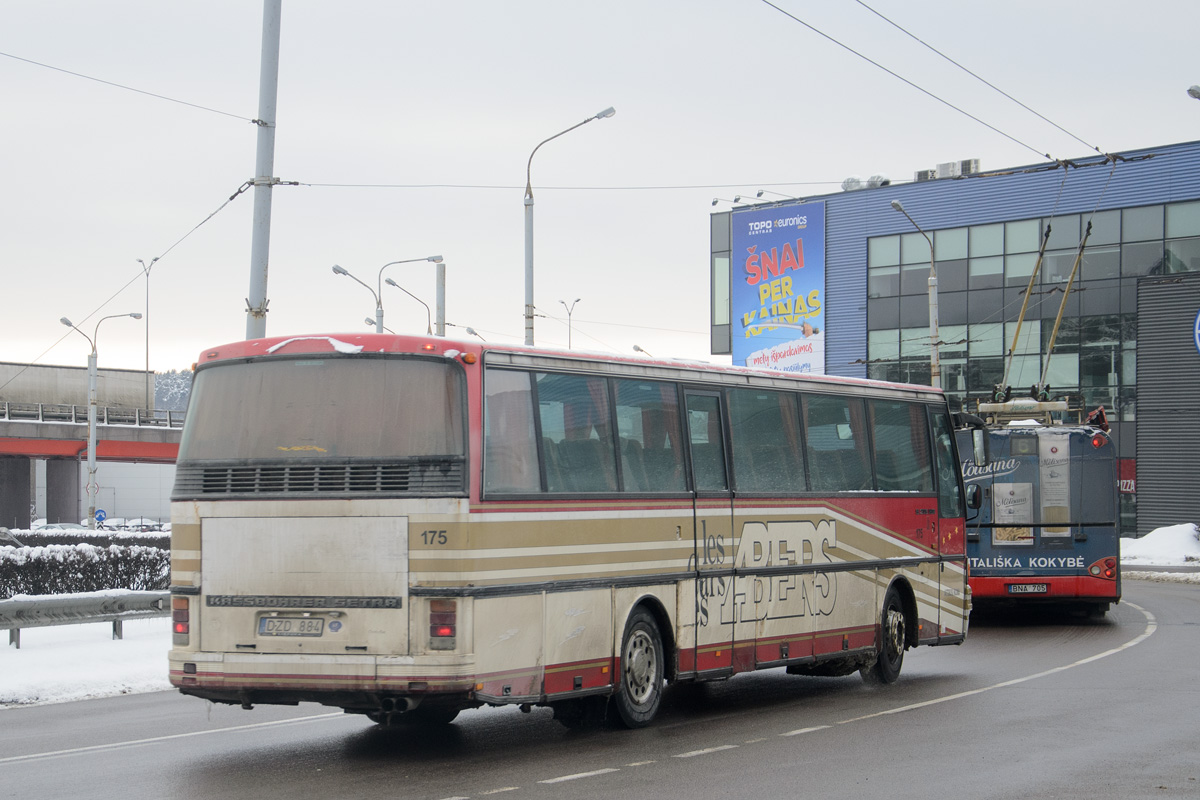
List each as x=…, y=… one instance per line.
x=260, y=245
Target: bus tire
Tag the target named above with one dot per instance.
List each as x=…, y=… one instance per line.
x=640, y=688
x=892, y=642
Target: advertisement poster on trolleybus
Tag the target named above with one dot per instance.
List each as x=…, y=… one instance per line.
x=777, y=289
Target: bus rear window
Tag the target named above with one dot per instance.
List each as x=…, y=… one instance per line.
x=322, y=408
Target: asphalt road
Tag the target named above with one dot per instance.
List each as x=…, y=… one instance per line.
x=1033, y=705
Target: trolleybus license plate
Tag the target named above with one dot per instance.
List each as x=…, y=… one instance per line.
x=1027, y=588
x=290, y=626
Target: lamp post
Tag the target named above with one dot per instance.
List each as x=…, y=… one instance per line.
x=146, y=269
x=377, y=292
x=428, y=323
x=92, y=488
x=371, y=322
x=1194, y=91
x=638, y=349
x=605, y=114
x=935, y=369
x=570, y=310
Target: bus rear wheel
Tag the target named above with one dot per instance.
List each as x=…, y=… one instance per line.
x=641, y=683
x=892, y=628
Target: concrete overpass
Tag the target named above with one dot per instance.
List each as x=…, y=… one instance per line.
x=37, y=422
x=59, y=434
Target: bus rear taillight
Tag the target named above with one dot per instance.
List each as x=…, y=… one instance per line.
x=1099, y=440
x=180, y=620
x=1104, y=568
x=443, y=624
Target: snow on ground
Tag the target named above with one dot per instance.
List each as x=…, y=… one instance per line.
x=75, y=662
x=1177, y=545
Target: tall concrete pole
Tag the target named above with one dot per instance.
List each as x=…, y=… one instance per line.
x=260, y=246
x=441, y=299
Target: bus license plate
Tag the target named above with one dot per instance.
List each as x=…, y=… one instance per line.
x=1028, y=588
x=290, y=626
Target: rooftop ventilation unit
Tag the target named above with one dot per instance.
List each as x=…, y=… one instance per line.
x=950, y=169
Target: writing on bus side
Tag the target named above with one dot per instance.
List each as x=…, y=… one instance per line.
x=772, y=544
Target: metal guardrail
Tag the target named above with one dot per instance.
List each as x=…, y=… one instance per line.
x=105, y=415
x=74, y=609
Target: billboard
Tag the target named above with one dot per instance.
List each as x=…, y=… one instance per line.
x=777, y=288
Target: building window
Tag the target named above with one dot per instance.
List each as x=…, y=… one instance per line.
x=1183, y=219
x=1142, y=224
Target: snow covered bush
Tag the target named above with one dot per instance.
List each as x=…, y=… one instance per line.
x=63, y=569
x=98, y=537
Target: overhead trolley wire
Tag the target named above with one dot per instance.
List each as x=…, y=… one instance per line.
x=129, y=88
x=899, y=77
x=129, y=283
x=982, y=80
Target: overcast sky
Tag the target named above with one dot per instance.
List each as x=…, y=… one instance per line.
x=442, y=102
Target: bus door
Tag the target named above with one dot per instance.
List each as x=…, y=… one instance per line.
x=951, y=531
x=714, y=541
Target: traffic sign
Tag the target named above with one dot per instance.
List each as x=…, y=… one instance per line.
x=100, y=515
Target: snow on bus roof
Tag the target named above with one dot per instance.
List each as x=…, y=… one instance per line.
x=338, y=344
x=353, y=343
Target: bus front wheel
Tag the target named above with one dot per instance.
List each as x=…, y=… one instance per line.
x=640, y=689
x=892, y=626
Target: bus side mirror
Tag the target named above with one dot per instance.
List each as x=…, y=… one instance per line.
x=979, y=447
x=974, y=496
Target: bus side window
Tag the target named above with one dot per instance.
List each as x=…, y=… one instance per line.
x=573, y=410
x=765, y=429
x=708, y=449
x=835, y=432
x=900, y=434
x=509, y=437
x=651, y=440
x=950, y=498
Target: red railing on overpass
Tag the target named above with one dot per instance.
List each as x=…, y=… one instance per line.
x=60, y=431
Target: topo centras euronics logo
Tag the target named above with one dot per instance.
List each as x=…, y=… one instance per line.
x=767, y=225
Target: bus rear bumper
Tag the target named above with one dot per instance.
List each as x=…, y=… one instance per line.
x=1050, y=588
x=271, y=678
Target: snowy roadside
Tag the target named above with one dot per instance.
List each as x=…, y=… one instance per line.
x=1174, y=546
x=78, y=662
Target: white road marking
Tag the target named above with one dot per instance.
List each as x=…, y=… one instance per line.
x=503, y=789
x=579, y=775
x=805, y=730
x=706, y=751
x=1151, y=627
x=135, y=742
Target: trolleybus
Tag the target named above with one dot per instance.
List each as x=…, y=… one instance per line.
x=405, y=527
x=1047, y=530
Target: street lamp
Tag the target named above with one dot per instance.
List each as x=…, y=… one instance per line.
x=570, y=310
x=935, y=369
x=92, y=488
x=146, y=269
x=605, y=114
x=638, y=349
x=377, y=292
x=371, y=322
x=428, y=324
x=1194, y=91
